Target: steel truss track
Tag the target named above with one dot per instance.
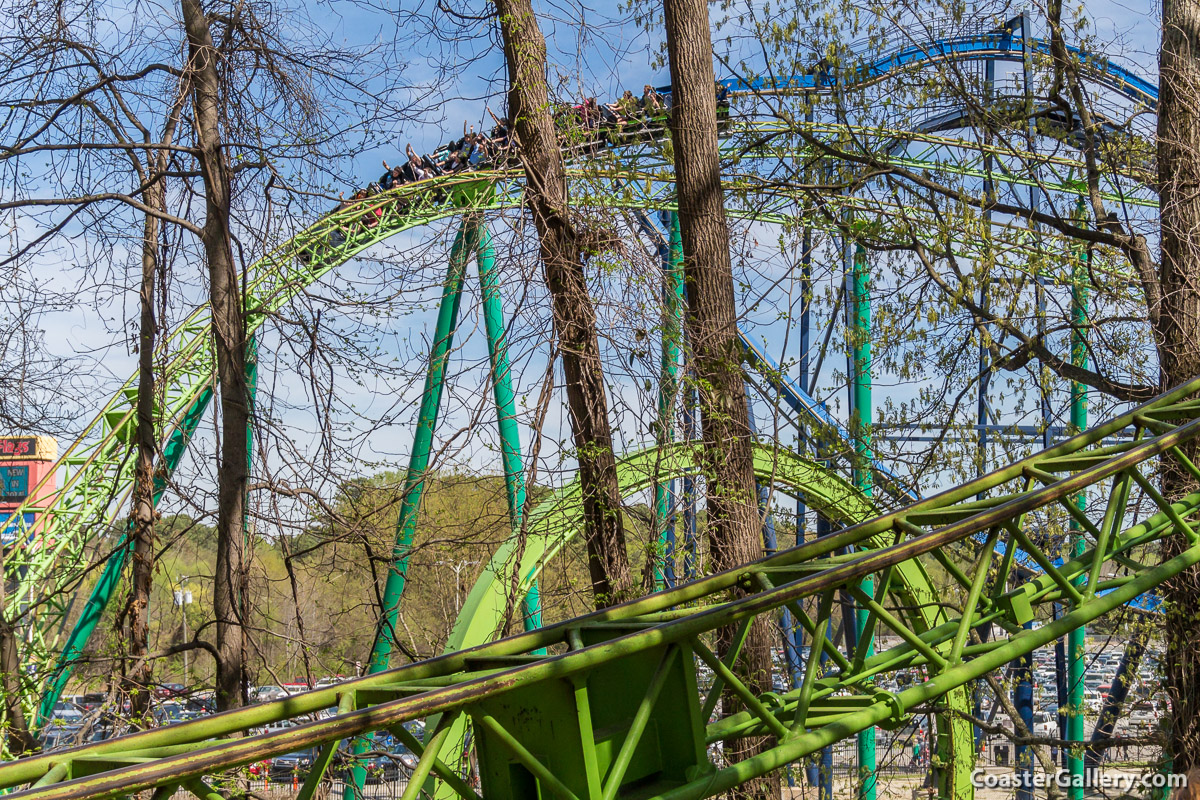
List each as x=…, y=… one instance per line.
x=613, y=679
x=995, y=46
x=99, y=473
x=558, y=519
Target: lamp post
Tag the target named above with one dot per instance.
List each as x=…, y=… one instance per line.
x=183, y=599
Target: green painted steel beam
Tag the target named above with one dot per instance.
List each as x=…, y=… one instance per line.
x=861, y=419
x=668, y=390
x=906, y=549
x=558, y=519
x=110, y=578
x=618, y=638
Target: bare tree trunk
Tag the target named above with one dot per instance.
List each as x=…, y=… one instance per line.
x=136, y=615
x=229, y=338
x=574, y=316
x=136, y=680
x=1178, y=335
x=734, y=527
x=19, y=739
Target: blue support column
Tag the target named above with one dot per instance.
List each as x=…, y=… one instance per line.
x=1060, y=688
x=1023, y=691
x=794, y=651
x=981, y=403
x=791, y=645
x=1023, y=700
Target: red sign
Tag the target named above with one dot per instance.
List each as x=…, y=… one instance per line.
x=16, y=448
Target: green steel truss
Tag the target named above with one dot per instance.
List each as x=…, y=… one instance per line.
x=555, y=521
x=81, y=524
x=619, y=710
x=97, y=476
x=80, y=521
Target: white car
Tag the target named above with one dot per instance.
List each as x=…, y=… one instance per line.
x=265, y=694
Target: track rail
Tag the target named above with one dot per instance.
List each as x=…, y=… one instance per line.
x=660, y=638
x=99, y=473
x=997, y=46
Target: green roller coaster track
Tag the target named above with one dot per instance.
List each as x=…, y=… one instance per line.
x=624, y=681
x=620, y=712
x=555, y=521
x=99, y=476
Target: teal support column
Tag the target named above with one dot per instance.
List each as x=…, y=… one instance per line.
x=859, y=311
x=251, y=395
x=1077, y=639
x=414, y=482
x=672, y=335
x=251, y=371
x=110, y=578
x=505, y=398
x=531, y=612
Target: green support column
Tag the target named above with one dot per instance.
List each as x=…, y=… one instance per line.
x=859, y=309
x=672, y=335
x=1076, y=639
x=502, y=391
x=251, y=369
x=414, y=482
x=418, y=462
x=110, y=578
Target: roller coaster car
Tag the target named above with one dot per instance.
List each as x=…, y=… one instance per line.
x=577, y=726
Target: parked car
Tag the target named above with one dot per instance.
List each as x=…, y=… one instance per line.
x=385, y=761
x=292, y=766
x=91, y=701
x=66, y=712
x=201, y=703
x=264, y=694
x=171, y=713
x=60, y=737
